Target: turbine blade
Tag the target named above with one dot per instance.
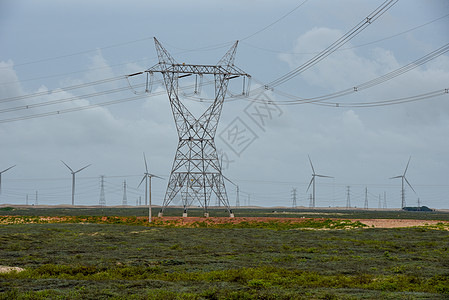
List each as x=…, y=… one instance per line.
x=407, y=165
x=313, y=178
x=67, y=166
x=409, y=184
x=144, y=176
x=313, y=170
x=399, y=176
x=152, y=175
x=83, y=168
x=145, y=159
x=324, y=176
x=7, y=169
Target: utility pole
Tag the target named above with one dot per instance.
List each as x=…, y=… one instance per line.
x=385, y=199
x=294, y=204
x=249, y=199
x=196, y=171
x=348, y=196
x=102, y=196
x=35, y=200
x=125, y=199
x=380, y=202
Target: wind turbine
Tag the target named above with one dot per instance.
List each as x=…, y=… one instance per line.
x=403, y=178
x=73, y=179
x=313, y=181
x=1, y=177
x=147, y=175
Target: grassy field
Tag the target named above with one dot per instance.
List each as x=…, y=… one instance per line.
x=240, y=212
x=89, y=260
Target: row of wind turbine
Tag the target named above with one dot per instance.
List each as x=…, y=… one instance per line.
x=403, y=179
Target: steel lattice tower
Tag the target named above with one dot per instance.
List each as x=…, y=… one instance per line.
x=196, y=171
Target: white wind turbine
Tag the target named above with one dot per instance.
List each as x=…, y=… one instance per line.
x=147, y=175
x=403, y=178
x=1, y=177
x=73, y=179
x=313, y=181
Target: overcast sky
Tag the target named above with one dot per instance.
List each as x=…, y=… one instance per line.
x=48, y=46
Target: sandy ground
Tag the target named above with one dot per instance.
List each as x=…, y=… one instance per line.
x=5, y=269
x=397, y=223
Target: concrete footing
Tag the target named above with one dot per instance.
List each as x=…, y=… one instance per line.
x=231, y=215
x=206, y=215
x=160, y=214
x=184, y=215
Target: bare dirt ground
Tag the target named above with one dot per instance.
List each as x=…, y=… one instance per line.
x=5, y=269
x=397, y=223
x=376, y=223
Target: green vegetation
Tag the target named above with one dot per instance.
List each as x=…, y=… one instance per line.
x=90, y=257
x=241, y=212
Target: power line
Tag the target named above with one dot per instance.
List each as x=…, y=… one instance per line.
x=337, y=44
x=79, y=53
x=277, y=21
x=353, y=47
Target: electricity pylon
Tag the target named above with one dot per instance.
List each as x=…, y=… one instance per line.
x=125, y=198
x=102, y=195
x=294, y=197
x=196, y=171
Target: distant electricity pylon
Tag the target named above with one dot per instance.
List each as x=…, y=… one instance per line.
x=125, y=198
x=73, y=179
x=313, y=181
x=365, y=205
x=294, y=198
x=348, y=196
x=102, y=195
x=196, y=171
x=403, y=178
x=237, y=199
x=1, y=176
x=147, y=176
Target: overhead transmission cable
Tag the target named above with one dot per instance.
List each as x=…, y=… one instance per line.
x=84, y=107
x=371, y=83
x=377, y=13
x=63, y=89
x=273, y=23
x=79, y=52
x=355, y=46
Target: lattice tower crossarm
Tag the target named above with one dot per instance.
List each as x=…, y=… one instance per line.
x=196, y=170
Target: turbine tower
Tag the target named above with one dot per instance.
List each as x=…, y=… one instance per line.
x=147, y=175
x=403, y=178
x=196, y=170
x=73, y=179
x=313, y=181
x=1, y=176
